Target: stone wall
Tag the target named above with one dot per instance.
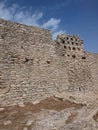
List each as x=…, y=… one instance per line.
x=69, y=45
x=33, y=67
x=24, y=54
x=92, y=62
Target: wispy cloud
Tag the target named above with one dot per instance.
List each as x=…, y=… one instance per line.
x=14, y=13
x=5, y=12
x=57, y=33
x=52, y=23
x=28, y=17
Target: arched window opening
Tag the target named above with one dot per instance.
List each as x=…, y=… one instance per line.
x=83, y=57
x=73, y=56
x=74, y=48
x=76, y=39
x=65, y=47
x=48, y=62
x=67, y=38
x=57, y=43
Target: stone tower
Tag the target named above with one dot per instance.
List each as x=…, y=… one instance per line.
x=69, y=46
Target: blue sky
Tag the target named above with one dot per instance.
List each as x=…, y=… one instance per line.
x=78, y=17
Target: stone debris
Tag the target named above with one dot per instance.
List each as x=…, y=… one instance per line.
x=7, y=122
x=29, y=122
x=25, y=128
x=61, y=115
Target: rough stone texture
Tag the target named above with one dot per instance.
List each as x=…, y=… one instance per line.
x=50, y=114
x=33, y=66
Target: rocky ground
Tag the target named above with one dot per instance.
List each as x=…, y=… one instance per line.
x=50, y=114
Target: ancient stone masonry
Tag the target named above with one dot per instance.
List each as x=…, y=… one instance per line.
x=70, y=46
x=33, y=66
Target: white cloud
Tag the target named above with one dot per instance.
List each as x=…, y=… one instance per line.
x=57, y=33
x=52, y=23
x=25, y=16
x=14, y=13
x=5, y=12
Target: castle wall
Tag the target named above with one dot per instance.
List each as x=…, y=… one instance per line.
x=92, y=61
x=33, y=67
x=24, y=54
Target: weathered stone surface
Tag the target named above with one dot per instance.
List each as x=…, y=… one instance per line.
x=50, y=114
x=33, y=66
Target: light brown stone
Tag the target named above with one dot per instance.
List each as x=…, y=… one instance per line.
x=33, y=66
